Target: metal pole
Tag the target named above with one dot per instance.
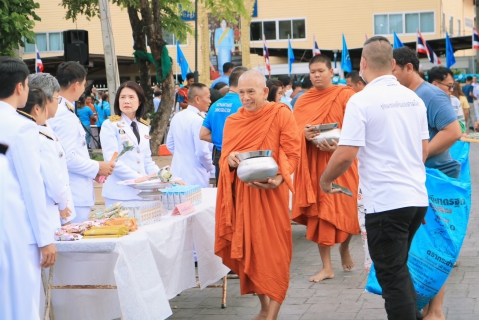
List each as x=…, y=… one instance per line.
x=196, y=41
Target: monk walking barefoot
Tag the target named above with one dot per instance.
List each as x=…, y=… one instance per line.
x=253, y=227
x=329, y=219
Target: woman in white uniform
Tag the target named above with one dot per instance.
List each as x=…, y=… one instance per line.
x=127, y=126
x=52, y=159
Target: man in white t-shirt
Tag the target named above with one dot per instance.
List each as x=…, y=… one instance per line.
x=385, y=125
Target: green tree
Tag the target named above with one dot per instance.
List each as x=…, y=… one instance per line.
x=17, y=19
x=148, y=20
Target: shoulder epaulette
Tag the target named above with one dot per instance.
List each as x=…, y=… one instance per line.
x=45, y=135
x=3, y=148
x=70, y=107
x=114, y=118
x=26, y=115
x=144, y=122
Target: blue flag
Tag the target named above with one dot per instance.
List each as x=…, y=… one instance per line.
x=346, y=64
x=290, y=57
x=397, y=43
x=450, y=60
x=181, y=60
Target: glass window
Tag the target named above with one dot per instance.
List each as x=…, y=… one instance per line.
x=412, y=22
x=444, y=22
x=256, y=31
x=269, y=28
x=29, y=47
x=427, y=21
x=284, y=29
x=395, y=23
x=299, y=29
x=451, y=26
x=169, y=38
x=381, y=24
x=55, y=41
x=42, y=41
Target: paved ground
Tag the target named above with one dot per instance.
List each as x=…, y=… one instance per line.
x=342, y=297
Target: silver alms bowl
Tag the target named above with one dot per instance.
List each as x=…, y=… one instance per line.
x=256, y=166
x=328, y=136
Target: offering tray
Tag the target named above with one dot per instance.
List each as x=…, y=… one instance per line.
x=152, y=185
x=150, y=195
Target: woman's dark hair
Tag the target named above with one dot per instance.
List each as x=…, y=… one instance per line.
x=273, y=86
x=80, y=102
x=215, y=95
x=139, y=92
x=219, y=85
x=36, y=96
x=104, y=96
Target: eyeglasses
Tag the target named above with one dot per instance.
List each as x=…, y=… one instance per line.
x=449, y=87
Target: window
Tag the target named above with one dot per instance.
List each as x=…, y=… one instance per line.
x=451, y=26
x=469, y=23
x=459, y=27
x=443, y=22
x=46, y=41
x=404, y=22
x=278, y=30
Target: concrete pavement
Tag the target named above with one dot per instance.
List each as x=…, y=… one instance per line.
x=342, y=297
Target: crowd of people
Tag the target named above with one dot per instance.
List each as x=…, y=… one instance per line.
x=393, y=122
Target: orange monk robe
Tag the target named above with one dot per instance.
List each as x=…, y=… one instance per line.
x=329, y=218
x=253, y=228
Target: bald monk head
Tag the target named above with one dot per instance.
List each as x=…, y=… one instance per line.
x=320, y=72
x=252, y=90
x=377, y=58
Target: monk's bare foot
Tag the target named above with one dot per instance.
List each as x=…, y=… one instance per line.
x=346, y=259
x=322, y=275
x=261, y=316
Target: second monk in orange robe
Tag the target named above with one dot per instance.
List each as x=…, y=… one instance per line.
x=329, y=219
x=253, y=228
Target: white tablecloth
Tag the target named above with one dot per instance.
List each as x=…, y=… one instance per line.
x=149, y=266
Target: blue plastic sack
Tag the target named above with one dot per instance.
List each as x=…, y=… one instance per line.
x=437, y=243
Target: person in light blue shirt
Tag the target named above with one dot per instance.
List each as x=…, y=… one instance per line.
x=227, y=68
x=157, y=100
x=103, y=110
x=213, y=125
x=305, y=86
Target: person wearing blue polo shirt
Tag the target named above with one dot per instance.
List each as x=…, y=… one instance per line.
x=214, y=123
x=227, y=69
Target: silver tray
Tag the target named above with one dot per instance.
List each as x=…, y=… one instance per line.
x=146, y=185
x=150, y=195
x=254, y=154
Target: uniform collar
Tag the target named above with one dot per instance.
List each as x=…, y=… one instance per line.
x=127, y=120
x=8, y=107
x=67, y=104
x=193, y=109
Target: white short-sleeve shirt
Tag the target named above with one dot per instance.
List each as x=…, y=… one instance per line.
x=388, y=121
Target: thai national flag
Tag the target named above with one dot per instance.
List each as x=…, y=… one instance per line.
x=316, y=51
x=38, y=61
x=423, y=47
x=266, y=56
x=475, y=39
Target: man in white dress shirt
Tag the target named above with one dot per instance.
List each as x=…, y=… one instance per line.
x=26, y=234
x=81, y=169
x=191, y=156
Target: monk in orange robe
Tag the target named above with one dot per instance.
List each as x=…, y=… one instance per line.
x=253, y=227
x=329, y=218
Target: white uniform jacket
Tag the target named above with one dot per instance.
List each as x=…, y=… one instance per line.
x=191, y=156
x=133, y=164
x=81, y=169
x=55, y=176
x=21, y=135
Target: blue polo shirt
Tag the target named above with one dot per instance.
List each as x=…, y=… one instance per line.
x=216, y=118
x=223, y=78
